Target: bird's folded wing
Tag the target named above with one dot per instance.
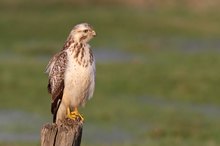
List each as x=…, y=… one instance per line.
x=56, y=70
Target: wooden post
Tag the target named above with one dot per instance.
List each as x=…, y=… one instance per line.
x=68, y=133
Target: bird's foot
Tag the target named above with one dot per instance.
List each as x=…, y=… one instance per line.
x=74, y=115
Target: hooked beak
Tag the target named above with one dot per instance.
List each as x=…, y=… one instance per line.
x=93, y=33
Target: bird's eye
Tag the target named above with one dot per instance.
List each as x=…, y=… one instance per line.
x=86, y=30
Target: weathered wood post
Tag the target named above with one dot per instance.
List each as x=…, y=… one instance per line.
x=68, y=133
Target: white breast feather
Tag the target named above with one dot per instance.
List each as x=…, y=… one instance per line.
x=79, y=80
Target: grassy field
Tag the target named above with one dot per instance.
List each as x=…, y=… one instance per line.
x=167, y=94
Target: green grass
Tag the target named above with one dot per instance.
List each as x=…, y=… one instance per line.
x=19, y=144
x=121, y=90
x=162, y=97
x=36, y=29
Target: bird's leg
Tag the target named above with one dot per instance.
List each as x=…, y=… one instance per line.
x=73, y=115
x=70, y=115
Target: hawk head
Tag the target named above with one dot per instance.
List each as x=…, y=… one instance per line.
x=82, y=33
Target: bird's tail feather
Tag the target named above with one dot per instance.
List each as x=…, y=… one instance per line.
x=54, y=108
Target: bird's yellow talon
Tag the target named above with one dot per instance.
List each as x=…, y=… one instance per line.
x=74, y=115
x=77, y=114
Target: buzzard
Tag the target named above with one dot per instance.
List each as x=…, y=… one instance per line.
x=71, y=74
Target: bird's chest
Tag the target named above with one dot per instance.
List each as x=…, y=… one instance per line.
x=80, y=71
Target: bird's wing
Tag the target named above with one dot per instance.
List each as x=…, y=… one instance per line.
x=56, y=69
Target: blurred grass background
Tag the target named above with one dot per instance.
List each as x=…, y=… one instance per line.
x=162, y=91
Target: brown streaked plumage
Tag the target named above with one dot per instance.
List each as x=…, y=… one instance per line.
x=71, y=73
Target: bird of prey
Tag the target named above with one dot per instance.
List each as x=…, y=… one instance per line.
x=71, y=74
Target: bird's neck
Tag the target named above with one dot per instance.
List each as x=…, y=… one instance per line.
x=68, y=42
x=75, y=42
